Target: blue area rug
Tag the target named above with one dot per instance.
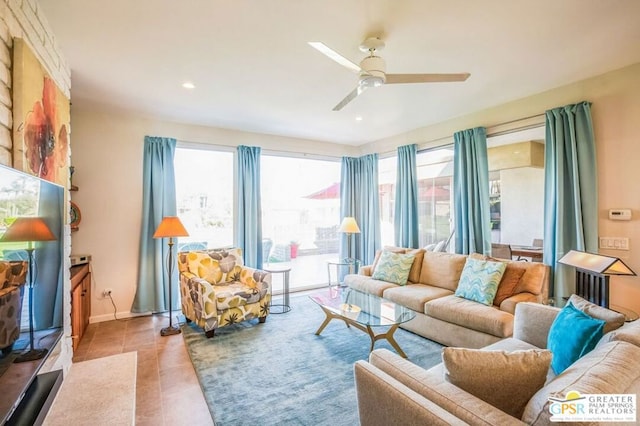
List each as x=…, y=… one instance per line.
x=280, y=372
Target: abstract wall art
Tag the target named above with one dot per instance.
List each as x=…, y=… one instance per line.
x=41, y=119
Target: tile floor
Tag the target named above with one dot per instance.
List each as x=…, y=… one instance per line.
x=167, y=389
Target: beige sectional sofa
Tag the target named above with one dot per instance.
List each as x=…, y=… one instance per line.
x=392, y=390
x=445, y=318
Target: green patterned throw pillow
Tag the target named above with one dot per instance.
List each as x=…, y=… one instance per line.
x=479, y=280
x=393, y=267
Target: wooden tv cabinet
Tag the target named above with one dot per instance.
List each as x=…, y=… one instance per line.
x=80, y=301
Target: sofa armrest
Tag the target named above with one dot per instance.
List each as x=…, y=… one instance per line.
x=382, y=400
x=532, y=322
x=509, y=304
x=255, y=278
x=366, y=270
x=193, y=290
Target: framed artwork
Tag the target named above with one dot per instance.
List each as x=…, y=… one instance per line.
x=41, y=119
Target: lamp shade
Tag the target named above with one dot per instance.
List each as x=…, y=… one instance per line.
x=170, y=227
x=349, y=226
x=28, y=229
x=606, y=265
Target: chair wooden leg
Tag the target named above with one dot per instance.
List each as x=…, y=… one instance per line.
x=262, y=319
x=210, y=333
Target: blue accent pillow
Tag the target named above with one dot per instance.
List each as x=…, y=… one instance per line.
x=393, y=267
x=572, y=335
x=479, y=280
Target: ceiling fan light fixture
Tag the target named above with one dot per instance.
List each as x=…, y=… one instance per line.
x=368, y=80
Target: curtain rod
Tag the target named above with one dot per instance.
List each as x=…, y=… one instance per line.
x=530, y=122
x=527, y=123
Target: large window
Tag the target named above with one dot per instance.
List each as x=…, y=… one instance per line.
x=204, y=193
x=435, y=197
x=300, y=215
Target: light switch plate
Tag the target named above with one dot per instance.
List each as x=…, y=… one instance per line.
x=614, y=243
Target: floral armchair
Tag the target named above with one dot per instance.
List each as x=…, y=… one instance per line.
x=12, y=277
x=216, y=289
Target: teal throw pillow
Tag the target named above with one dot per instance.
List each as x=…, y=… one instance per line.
x=393, y=267
x=479, y=280
x=572, y=335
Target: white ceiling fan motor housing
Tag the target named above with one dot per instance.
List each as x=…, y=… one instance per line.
x=373, y=71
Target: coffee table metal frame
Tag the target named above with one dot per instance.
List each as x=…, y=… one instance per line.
x=330, y=302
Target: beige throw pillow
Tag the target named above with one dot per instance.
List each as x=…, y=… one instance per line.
x=506, y=380
x=613, y=320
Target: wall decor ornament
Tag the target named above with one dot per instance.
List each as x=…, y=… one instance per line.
x=41, y=119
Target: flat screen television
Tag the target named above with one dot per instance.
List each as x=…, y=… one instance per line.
x=23, y=195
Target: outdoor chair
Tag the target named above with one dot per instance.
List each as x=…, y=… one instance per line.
x=501, y=251
x=218, y=290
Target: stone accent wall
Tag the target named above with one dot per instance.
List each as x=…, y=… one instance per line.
x=24, y=19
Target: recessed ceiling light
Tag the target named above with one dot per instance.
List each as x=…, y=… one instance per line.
x=358, y=118
x=188, y=85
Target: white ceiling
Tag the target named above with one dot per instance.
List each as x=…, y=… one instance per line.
x=254, y=71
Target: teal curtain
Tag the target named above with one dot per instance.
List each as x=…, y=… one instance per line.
x=471, y=192
x=158, y=201
x=359, y=198
x=249, y=222
x=570, y=190
x=405, y=219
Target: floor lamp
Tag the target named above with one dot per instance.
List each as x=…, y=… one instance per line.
x=30, y=230
x=170, y=227
x=349, y=226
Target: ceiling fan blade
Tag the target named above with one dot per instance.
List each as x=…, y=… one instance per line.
x=351, y=96
x=425, y=78
x=332, y=54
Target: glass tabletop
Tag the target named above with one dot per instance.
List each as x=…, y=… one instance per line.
x=363, y=308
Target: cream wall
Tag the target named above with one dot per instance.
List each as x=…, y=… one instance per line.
x=23, y=19
x=616, y=120
x=107, y=155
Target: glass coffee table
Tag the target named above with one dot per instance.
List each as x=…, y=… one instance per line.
x=365, y=312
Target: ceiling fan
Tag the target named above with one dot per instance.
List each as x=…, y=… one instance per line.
x=372, y=70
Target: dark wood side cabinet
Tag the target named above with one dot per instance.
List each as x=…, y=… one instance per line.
x=80, y=301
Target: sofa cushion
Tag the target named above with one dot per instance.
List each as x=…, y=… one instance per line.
x=414, y=296
x=414, y=274
x=572, y=335
x=393, y=267
x=510, y=279
x=472, y=315
x=613, y=319
x=609, y=369
x=479, y=280
x=534, y=280
x=442, y=269
x=504, y=379
x=216, y=266
x=366, y=284
x=629, y=332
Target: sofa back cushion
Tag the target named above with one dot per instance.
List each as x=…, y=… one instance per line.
x=613, y=320
x=442, y=269
x=609, y=369
x=215, y=266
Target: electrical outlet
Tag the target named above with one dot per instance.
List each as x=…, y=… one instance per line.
x=106, y=292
